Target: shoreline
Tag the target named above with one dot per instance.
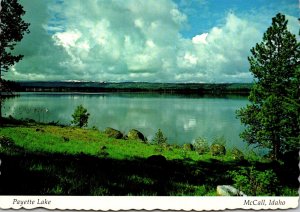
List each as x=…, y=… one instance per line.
x=68, y=157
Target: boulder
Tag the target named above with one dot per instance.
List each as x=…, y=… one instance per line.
x=217, y=149
x=237, y=154
x=136, y=135
x=188, y=147
x=228, y=190
x=113, y=133
x=201, y=149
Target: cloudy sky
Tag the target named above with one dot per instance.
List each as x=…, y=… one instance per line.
x=145, y=40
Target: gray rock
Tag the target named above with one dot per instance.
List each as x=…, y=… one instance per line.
x=217, y=149
x=113, y=133
x=237, y=154
x=228, y=190
x=188, y=147
x=136, y=135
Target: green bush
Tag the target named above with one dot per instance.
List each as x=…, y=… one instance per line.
x=237, y=154
x=286, y=191
x=201, y=145
x=159, y=138
x=80, y=116
x=255, y=183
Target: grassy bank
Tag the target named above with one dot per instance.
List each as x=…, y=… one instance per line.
x=60, y=160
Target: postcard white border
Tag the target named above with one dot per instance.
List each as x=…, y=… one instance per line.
x=146, y=203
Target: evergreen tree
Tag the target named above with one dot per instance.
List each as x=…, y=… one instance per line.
x=12, y=31
x=273, y=118
x=80, y=116
x=159, y=138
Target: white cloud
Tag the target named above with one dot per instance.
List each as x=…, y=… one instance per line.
x=200, y=38
x=132, y=40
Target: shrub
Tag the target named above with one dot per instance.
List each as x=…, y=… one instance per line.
x=237, y=154
x=286, y=191
x=80, y=116
x=253, y=182
x=159, y=138
x=201, y=145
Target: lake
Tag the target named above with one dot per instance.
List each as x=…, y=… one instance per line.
x=182, y=118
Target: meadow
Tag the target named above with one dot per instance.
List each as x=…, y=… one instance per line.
x=50, y=159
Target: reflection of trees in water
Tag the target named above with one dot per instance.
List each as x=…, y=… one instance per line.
x=40, y=114
x=3, y=98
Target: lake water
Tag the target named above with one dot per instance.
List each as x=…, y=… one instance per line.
x=181, y=118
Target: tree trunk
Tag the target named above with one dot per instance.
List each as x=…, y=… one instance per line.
x=276, y=148
x=0, y=99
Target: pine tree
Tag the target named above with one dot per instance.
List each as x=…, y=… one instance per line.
x=12, y=29
x=159, y=138
x=272, y=118
x=80, y=116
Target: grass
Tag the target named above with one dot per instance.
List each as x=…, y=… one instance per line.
x=41, y=159
x=71, y=140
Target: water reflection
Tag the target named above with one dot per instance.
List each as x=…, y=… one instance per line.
x=181, y=118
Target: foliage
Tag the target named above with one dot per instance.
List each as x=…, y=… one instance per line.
x=80, y=116
x=273, y=118
x=286, y=191
x=201, y=145
x=237, y=154
x=253, y=182
x=12, y=29
x=159, y=138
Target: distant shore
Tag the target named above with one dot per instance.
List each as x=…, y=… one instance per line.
x=177, y=88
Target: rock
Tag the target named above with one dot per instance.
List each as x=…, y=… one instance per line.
x=237, y=154
x=188, y=147
x=201, y=146
x=202, y=149
x=217, y=149
x=228, y=190
x=113, y=133
x=136, y=135
x=156, y=160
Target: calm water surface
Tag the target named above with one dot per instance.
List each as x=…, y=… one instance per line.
x=181, y=118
